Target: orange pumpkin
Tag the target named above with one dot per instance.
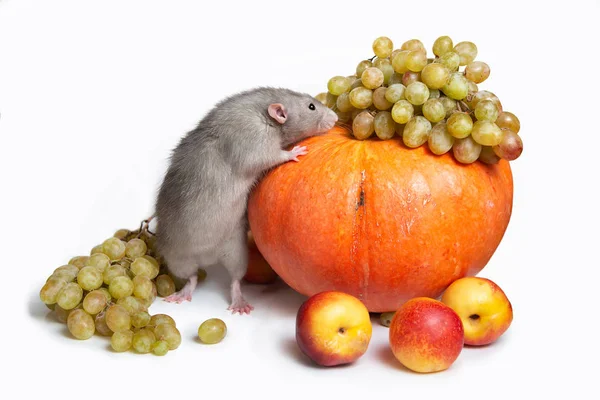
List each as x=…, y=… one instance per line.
x=377, y=220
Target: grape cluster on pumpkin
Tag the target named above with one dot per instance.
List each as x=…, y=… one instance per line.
x=426, y=100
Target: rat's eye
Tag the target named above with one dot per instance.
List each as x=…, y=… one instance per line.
x=311, y=106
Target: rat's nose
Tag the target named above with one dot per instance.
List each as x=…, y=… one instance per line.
x=332, y=117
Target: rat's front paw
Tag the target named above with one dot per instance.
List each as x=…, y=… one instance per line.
x=297, y=151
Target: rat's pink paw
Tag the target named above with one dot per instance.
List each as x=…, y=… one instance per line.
x=241, y=307
x=178, y=297
x=297, y=151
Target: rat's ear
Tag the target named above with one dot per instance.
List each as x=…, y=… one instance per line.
x=278, y=112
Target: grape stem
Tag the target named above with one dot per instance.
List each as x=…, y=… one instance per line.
x=463, y=107
x=372, y=58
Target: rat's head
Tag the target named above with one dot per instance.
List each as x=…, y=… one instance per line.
x=300, y=116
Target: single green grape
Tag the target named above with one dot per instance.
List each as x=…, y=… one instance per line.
x=460, y=125
x=435, y=94
x=117, y=318
x=142, y=267
x=372, y=78
x=484, y=95
x=142, y=287
x=386, y=318
x=416, y=131
x=62, y=315
x=112, y=272
x=81, y=324
x=94, y=302
x=399, y=61
x=363, y=125
x=449, y=105
x=338, y=85
x=212, y=331
x=379, y=100
x=395, y=92
x=101, y=326
x=384, y=125
x=66, y=270
x=466, y=150
x=509, y=121
x=440, y=140
x=160, y=348
x=486, y=111
x=360, y=68
x=388, y=71
x=409, y=77
x=383, y=46
x=114, y=248
x=361, y=97
x=413, y=44
x=402, y=111
x=65, y=276
x=416, y=93
x=416, y=60
x=158, y=319
x=99, y=260
x=488, y=156
x=435, y=75
x=356, y=83
x=140, y=319
x=473, y=88
x=457, y=87
x=69, y=296
x=442, y=45
x=451, y=60
x=400, y=129
x=169, y=333
x=147, y=302
x=135, y=248
x=331, y=100
x=106, y=293
x=96, y=250
x=89, y=278
x=152, y=260
x=477, y=71
x=394, y=79
x=120, y=287
x=433, y=110
x=486, y=133
x=132, y=304
x=343, y=103
x=122, y=234
x=343, y=116
x=165, y=285
x=510, y=147
x=322, y=97
x=121, y=341
x=467, y=52
x=49, y=292
x=79, y=261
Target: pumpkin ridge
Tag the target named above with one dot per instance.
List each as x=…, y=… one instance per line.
x=359, y=248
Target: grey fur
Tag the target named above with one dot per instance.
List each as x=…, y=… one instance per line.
x=201, y=204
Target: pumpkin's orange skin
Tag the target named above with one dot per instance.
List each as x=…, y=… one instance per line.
x=377, y=220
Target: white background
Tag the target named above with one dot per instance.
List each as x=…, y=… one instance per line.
x=94, y=95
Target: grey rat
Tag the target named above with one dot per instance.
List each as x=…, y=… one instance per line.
x=201, y=203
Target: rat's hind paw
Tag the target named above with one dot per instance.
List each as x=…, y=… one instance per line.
x=178, y=297
x=241, y=307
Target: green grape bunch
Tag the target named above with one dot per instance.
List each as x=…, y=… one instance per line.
x=431, y=100
x=109, y=293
